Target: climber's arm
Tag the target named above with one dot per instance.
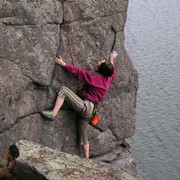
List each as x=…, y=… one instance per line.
x=112, y=57
x=83, y=75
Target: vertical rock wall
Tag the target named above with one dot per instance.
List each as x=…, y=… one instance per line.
x=32, y=35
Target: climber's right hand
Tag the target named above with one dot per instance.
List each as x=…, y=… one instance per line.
x=60, y=61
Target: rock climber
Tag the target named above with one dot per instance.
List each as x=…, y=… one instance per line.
x=96, y=85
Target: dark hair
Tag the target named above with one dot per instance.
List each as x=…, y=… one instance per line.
x=106, y=69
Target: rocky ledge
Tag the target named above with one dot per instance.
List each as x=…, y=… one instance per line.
x=56, y=165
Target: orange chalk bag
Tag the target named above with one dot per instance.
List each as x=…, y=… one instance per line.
x=95, y=119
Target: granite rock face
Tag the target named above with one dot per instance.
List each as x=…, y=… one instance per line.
x=33, y=33
x=55, y=165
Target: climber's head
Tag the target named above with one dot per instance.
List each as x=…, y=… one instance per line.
x=105, y=68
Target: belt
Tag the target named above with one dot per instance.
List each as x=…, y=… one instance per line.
x=84, y=110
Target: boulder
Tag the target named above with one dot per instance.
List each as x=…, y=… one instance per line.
x=36, y=160
x=33, y=33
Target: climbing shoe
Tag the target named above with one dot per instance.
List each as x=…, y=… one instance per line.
x=48, y=114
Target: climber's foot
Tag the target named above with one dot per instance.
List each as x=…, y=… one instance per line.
x=48, y=114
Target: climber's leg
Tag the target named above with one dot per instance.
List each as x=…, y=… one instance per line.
x=71, y=98
x=59, y=102
x=86, y=150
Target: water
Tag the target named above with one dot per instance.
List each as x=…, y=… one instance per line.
x=152, y=35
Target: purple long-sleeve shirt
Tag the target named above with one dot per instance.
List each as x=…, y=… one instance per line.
x=95, y=85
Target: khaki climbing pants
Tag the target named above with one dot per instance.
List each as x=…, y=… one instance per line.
x=84, y=108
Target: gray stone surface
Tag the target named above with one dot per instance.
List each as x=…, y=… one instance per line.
x=32, y=34
x=57, y=165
